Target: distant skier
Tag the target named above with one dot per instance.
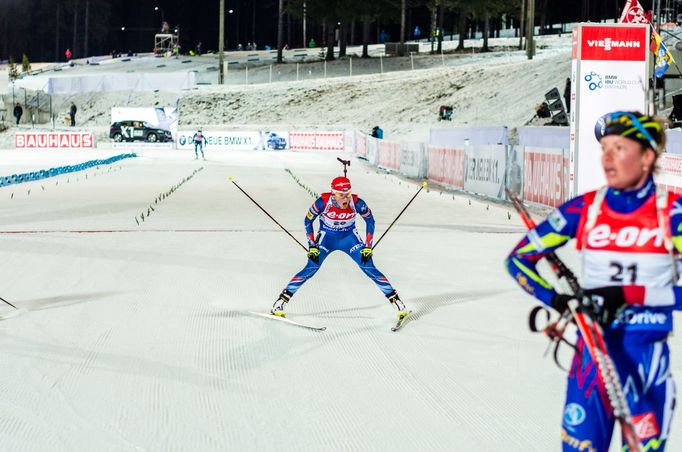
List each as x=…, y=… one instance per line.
x=337, y=210
x=198, y=139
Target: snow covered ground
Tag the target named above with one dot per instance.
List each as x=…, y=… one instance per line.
x=139, y=337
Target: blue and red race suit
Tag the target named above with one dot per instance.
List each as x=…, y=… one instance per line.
x=338, y=232
x=622, y=238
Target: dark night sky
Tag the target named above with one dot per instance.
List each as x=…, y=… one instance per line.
x=198, y=21
x=29, y=26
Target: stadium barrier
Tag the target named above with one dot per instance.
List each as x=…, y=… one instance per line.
x=51, y=172
x=483, y=162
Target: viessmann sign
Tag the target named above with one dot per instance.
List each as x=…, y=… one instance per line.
x=609, y=73
x=614, y=44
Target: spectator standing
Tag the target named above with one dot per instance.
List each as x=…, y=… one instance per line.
x=72, y=114
x=67, y=54
x=18, y=112
x=567, y=94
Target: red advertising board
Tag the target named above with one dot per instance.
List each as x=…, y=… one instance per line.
x=389, y=154
x=361, y=144
x=54, y=140
x=670, y=163
x=317, y=141
x=543, y=178
x=614, y=43
x=446, y=165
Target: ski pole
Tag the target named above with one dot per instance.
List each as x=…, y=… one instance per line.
x=5, y=301
x=401, y=212
x=266, y=213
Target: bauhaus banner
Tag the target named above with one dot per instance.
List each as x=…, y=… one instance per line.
x=610, y=73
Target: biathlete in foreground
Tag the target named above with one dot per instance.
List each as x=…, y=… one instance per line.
x=627, y=234
x=337, y=211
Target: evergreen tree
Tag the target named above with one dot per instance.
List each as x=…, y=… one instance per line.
x=25, y=64
x=13, y=71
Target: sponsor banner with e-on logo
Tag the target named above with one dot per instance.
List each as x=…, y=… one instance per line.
x=317, y=141
x=54, y=140
x=236, y=140
x=544, y=176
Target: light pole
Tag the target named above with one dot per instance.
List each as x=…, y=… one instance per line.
x=163, y=19
x=221, y=43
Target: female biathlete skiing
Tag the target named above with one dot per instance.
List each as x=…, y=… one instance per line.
x=337, y=211
x=627, y=234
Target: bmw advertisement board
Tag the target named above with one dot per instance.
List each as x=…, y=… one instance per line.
x=609, y=73
x=144, y=125
x=263, y=140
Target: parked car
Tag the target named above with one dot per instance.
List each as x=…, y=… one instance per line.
x=138, y=130
x=275, y=142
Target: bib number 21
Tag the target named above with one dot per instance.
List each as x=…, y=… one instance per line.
x=622, y=274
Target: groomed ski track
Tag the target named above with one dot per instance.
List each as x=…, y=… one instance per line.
x=142, y=341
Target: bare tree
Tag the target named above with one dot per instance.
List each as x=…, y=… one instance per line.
x=75, y=28
x=280, y=34
x=87, y=28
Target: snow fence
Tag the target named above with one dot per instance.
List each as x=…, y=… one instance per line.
x=52, y=172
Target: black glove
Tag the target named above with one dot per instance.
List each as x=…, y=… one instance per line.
x=314, y=253
x=606, y=303
x=602, y=303
x=560, y=301
x=365, y=254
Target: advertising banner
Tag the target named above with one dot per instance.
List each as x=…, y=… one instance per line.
x=389, y=154
x=372, y=150
x=361, y=144
x=144, y=125
x=485, y=167
x=670, y=174
x=413, y=160
x=610, y=74
x=446, y=166
x=236, y=140
x=54, y=140
x=544, y=173
x=317, y=141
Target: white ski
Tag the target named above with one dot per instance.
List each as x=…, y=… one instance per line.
x=291, y=322
x=399, y=324
x=11, y=314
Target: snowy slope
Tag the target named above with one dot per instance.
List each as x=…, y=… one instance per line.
x=139, y=338
x=499, y=88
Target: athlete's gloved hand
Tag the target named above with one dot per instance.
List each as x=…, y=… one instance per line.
x=602, y=303
x=365, y=254
x=560, y=301
x=314, y=253
x=606, y=303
